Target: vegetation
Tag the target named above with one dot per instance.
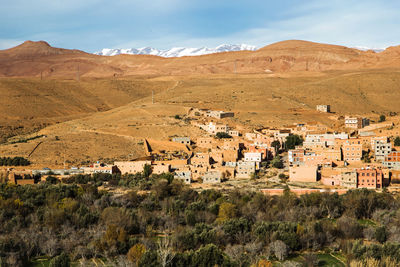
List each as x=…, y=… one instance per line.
x=292, y=141
x=15, y=161
x=172, y=225
x=27, y=139
x=276, y=145
x=382, y=118
x=397, y=141
x=221, y=135
x=276, y=162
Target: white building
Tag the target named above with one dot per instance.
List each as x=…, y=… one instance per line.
x=382, y=149
x=355, y=122
x=212, y=177
x=245, y=169
x=253, y=156
x=185, y=176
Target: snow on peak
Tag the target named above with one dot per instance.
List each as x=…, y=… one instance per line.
x=364, y=48
x=176, y=51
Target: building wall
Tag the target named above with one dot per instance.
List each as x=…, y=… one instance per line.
x=369, y=178
x=200, y=159
x=305, y=174
x=381, y=150
x=392, y=161
x=352, y=153
x=182, y=140
x=131, y=167
x=349, y=179
x=324, y=108
x=211, y=177
x=205, y=142
x=250, y=156
x=161, y=168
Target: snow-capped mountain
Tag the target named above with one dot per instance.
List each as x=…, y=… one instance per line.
x=176, y=51
x=364, y=48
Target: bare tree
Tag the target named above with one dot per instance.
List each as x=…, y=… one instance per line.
x=279, y=249
x=164, y=250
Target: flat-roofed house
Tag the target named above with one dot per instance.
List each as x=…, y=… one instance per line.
x=355, y=122
x=131, y=167
x=205, y=142
x=184, y=175
x=201, y=159
x=161, y=168
x=324, y=108
x=245, y=169
x=212, y=177
x=182, y=140
x=392, y=161
x=352, y=152
x=305, y=174
x=101, y=168
x=369, y=178
x=381, y=149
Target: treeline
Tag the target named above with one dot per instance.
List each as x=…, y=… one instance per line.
x=27, y=139
x=15, y=161
x=161, y=222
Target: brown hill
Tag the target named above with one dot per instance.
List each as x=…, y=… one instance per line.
x=96, y=107
x=40, y=59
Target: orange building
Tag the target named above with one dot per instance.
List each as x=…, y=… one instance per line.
x=352, y=152
x=369, y=178
x=392, y=161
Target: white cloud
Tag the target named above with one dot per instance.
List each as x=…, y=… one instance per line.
x=8, y=43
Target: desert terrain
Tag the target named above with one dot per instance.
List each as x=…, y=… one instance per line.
x=93, y=108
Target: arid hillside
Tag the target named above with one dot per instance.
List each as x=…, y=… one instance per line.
x=96, y=108
x=39, y=59
x=256, y=99
x=31, y=103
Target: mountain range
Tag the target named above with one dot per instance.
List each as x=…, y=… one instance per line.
x=42, y=60
x=176, y=51
x=189, y=51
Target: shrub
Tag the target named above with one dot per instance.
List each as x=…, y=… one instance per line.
x=397, y=141
x=221, y=135
x=292, y=141
x=61, y=260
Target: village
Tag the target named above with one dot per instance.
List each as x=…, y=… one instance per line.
x=308, y=157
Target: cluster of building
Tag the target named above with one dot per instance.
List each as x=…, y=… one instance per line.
x=338, y=159
x=348, y=159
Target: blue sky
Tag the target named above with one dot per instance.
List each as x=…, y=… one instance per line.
x=91, y=25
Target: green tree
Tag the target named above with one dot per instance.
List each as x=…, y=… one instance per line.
x=397, y=141
x=292, y=141
x=226, y=211
x=61, y=260
x=276, y=145
x=147, y=170
x=382, y=118
x=221, y=135
x=277, y=162
x=208, y=256
x=380, y=234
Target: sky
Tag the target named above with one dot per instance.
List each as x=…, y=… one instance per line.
x=92, y=25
